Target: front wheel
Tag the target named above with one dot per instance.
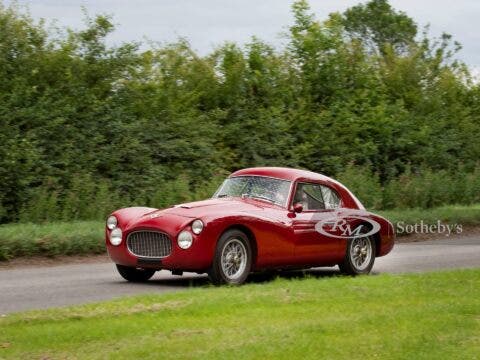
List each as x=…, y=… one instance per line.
x=135, y=275
x=233, y=259
x=359, y=257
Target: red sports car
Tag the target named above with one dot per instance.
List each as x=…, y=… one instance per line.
x=259, y=219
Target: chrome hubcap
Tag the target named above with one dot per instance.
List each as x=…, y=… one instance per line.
x=361, y=252
x=234, y=259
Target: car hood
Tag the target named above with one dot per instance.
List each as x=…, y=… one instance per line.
x=174, y=219
x=214, y=207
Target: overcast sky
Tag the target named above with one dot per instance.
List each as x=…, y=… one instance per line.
x=206, y=23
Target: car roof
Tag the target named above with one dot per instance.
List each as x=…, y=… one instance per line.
x=347, y=196
x=282, y=173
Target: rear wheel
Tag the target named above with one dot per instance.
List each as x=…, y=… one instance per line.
x=233, y=259
x=135, y=275
x=359, y=257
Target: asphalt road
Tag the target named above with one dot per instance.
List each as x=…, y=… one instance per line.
x=27, y=288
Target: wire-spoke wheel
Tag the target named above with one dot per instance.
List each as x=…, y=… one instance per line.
x=233, y=259
x=360, y=256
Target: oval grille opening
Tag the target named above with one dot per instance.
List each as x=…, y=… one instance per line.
x=151, y=244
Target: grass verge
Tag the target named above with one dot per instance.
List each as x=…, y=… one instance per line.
x=416, y=316
x=86, y=237
x=59, y=238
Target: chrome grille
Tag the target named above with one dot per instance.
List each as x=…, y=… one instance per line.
x=151, y=244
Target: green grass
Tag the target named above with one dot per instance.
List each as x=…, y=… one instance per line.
x=416, y=316
x=86, y=237
x=467, y=215
x=62, y=238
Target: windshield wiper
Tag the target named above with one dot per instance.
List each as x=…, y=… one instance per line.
x=259, y=197
x=222, y=195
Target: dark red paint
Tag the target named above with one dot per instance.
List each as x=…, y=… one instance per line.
x=281, y=237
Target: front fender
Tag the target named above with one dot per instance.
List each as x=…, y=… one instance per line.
x=273, y=238
x=126, y=215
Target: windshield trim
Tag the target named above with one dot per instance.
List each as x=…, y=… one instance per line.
x=287, y=200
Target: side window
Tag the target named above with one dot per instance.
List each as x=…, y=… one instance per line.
x=330, y=198
x=310, y=196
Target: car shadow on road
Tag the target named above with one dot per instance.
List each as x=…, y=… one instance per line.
x=193, y=280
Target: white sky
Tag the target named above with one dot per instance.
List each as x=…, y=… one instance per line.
x=206, y=23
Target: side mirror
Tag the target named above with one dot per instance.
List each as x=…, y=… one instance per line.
x=298, y=208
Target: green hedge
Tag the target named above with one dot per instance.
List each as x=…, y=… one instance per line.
x=422, y=189
x=87, y=127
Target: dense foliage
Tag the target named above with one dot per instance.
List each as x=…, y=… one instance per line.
x=86, y=127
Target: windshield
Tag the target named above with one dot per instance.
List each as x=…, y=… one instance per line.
x=259, y=187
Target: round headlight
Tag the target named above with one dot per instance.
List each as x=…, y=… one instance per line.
x=197, y=227
x=116, y=237
x=185, y=239
x=112, y=222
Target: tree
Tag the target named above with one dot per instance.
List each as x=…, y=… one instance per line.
x=378, y=25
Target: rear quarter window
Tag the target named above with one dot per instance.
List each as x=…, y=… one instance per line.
x=330, y=198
